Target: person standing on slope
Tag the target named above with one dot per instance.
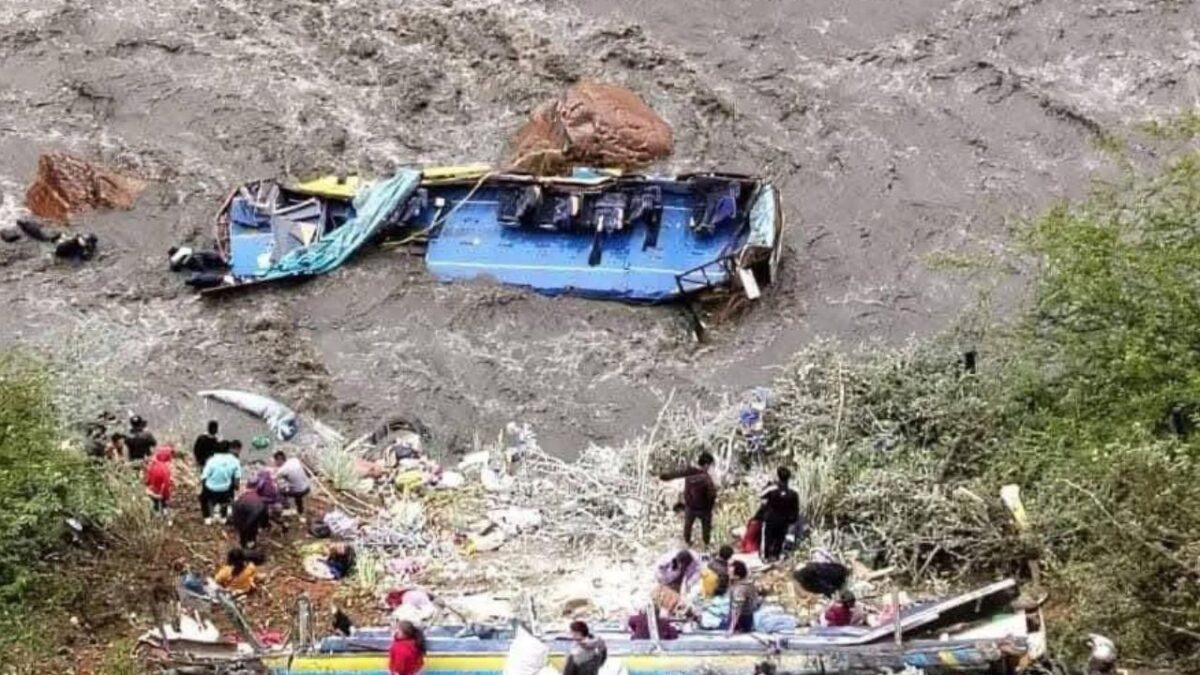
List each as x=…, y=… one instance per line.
x=780, y=510
x=699, y=496
x=206, y=444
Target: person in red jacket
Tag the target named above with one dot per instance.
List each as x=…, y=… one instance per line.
x=407, y=654
x=843, y=612
x=158, y=479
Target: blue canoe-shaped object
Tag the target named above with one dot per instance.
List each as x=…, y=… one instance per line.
x=735, y=656
x=976, y=631
x=624, y=237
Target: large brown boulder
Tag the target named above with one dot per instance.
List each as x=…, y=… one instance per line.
x=594, y=124
x=66, y=184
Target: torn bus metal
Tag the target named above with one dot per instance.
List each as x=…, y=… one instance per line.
x=598, y=234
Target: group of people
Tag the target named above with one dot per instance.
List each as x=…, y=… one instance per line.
x=682, y=576
x=261, y=501
x=135, y=445
x=689, y=585
x=778, y=511
x=225, y=496
x=692, y=586
x=249, y=508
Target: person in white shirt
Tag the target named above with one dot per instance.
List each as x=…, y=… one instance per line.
x=293, y=480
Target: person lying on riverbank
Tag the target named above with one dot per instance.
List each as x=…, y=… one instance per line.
x=340, y=559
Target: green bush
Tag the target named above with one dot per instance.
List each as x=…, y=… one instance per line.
x=1112, y=336
x=1073, y=402
x=906, y=435
x=42, y=482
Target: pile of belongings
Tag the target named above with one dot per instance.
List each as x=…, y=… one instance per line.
x=397, y=456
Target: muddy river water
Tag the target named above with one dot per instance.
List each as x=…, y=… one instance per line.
x=901, y=133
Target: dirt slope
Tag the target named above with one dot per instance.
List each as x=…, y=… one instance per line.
x=898, y=131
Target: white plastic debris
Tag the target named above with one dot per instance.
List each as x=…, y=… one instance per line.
x=489, y=542
x=493, y=481
x=515, y=520
x=520, y=441
x=632, y=507
x=192, y=628
x=474, y=460
x=408, y=515
x=614, y=666
x=418, y=615
x=526, y=656
x=481, y=607
x=341, y=524
x=1104, y=650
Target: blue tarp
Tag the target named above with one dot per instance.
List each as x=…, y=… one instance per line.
x=472, y=244
x=249, y=250
x=372, y=208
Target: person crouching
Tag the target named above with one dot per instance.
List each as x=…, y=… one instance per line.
x=249, y=516
x=238, y=574
x=844, y=611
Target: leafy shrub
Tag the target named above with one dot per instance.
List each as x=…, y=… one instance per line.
x=42, y=482
x=1088, y=402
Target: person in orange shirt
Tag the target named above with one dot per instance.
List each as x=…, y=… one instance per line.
x=237, y=575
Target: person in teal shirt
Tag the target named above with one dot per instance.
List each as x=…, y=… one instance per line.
x=219, y=481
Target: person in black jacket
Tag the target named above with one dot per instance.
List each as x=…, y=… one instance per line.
x=588, y=652
x=206, y=444
x=780, y=509
x=249, y=516
x=699, y=497
x=140, y=442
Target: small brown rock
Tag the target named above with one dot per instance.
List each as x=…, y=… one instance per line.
x=66, y=184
